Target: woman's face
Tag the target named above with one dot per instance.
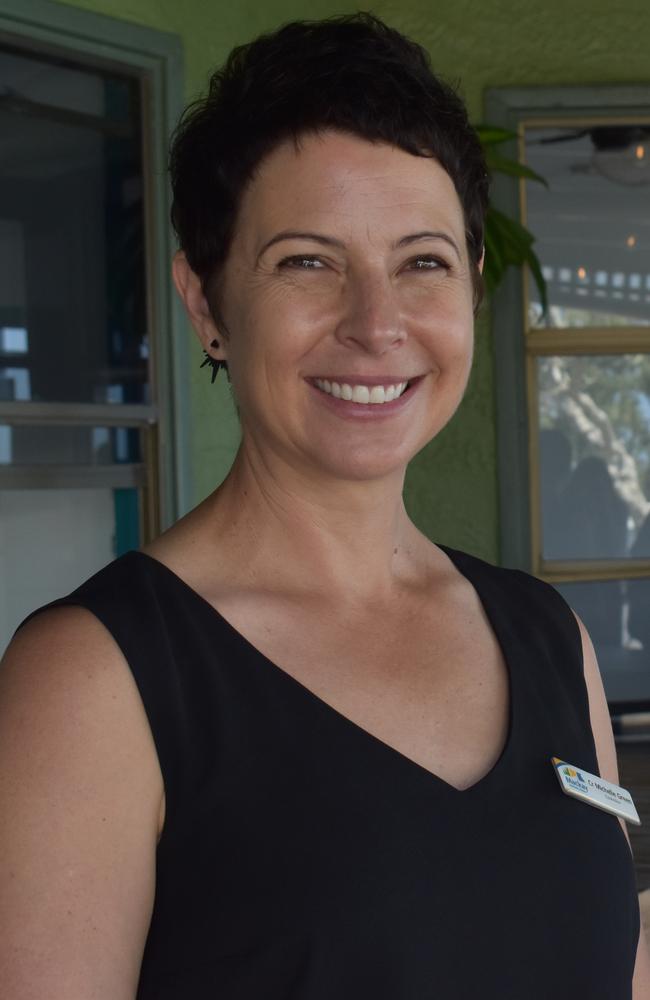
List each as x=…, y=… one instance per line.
x=348, y=276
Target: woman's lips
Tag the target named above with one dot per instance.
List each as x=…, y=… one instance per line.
x=366, y=410
x=366, y=379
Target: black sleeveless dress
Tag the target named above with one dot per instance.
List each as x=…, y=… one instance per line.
x=304, y=859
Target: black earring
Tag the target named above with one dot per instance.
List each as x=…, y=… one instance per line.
x=213, y=362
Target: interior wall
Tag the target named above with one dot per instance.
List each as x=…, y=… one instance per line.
x=451, y=486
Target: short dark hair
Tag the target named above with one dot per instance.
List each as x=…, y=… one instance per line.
x=351, y=74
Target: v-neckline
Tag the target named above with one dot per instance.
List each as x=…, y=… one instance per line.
x=325, y=706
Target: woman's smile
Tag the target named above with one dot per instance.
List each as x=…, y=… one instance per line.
x=365, y=397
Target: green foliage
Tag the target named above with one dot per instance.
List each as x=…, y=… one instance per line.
x=507, y=242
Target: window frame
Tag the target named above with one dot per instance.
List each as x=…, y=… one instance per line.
x=516, y=351
x=156, y=59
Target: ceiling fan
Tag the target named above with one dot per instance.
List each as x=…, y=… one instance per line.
x=621, y=153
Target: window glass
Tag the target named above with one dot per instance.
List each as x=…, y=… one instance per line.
x=61, y=84
x=31, y=444
x=594, y=456
x=91, y=526
x=72, y=279
x=615, y=613
x=590, y=224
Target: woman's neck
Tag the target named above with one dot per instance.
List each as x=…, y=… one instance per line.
x=274, y=526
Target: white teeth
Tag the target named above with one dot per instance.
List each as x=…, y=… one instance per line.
x=362, y=393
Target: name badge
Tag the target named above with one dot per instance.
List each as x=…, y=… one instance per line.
x=595, y=791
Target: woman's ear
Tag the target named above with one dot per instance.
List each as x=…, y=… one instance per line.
x=188, y=286
x=481, y=261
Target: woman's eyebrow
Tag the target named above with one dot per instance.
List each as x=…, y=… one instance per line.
x=293, y=234
x=429, y=235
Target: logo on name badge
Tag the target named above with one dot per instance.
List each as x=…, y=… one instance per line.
x=570, y=773
x=595, y=791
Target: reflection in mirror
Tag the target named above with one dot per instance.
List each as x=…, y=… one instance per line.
x=590, y=224
x=594, y=456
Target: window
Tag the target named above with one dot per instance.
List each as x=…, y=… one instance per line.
x=573, y=385
x=90, y=374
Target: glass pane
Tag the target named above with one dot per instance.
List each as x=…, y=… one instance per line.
x=60, y=83
x=591, y=224
x=72, y=279
x=68, y=534
x=616, y=615
x=594, y=448
x=31, y=444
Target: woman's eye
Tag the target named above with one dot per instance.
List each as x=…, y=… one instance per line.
x=428, y=264
x=303, y=261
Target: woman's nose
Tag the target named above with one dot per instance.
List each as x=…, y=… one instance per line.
x=372, y=319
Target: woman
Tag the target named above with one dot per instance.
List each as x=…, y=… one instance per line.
x=294, y=749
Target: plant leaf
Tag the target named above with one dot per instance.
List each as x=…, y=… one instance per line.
x=512, y=168
x=513, y=239
x=491, y=135
x=507, y=242
x=494, y=267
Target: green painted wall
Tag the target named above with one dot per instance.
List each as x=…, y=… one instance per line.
x=451, y=486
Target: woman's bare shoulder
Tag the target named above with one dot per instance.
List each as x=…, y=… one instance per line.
x=64, y=625
x=64, y=647
x=80, y=792
x=64, y=664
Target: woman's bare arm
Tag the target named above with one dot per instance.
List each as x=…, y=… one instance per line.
x=80, y=799
x=606, y=753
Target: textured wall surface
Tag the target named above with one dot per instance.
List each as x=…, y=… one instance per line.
x=451, y=485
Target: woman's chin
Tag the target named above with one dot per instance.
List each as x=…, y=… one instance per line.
x=361, y=466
